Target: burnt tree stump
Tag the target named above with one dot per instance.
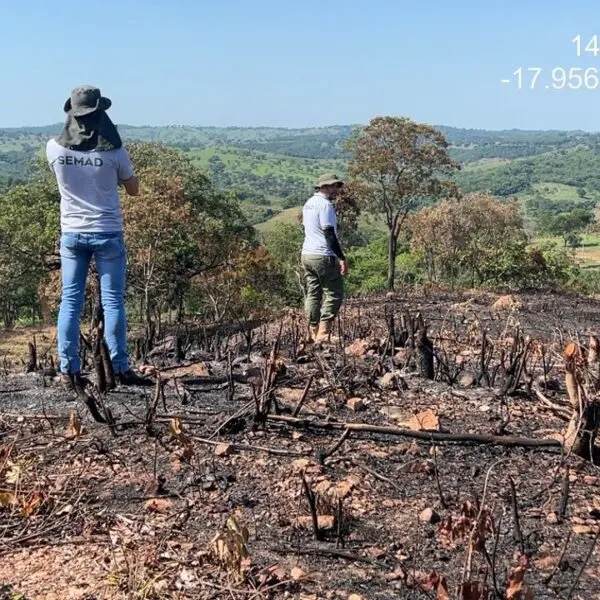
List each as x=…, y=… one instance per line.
x=424, y=351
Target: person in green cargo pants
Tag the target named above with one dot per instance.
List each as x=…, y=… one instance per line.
x=323, y=261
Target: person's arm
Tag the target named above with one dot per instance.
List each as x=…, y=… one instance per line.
x=132, y=185
x=333, y=242
x=125, y=174
x=328, y=223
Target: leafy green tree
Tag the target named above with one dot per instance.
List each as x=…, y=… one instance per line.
x=569, y=225
x=178, y=228
x=397, y=165
x=29, y=232
x=476, y=238
x=481, y=240
x=247, y=287
x=284, y=243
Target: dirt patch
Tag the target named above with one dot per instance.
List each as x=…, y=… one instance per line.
x=14, y=343
x=61, y=572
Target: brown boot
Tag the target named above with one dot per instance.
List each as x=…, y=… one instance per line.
x=324, y=335
x=314, y=332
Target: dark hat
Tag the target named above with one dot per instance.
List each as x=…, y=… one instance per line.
x=86, y=99
x=328, y=179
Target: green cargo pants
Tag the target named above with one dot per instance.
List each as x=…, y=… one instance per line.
x=324, y=287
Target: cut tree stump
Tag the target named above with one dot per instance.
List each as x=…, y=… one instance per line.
x=581, y=432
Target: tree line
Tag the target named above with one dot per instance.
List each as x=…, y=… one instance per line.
x=192, y=253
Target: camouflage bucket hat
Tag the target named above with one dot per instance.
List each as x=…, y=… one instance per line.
x=328, y=179
x=86, y=99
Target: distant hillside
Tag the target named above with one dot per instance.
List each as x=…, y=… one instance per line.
x=326, y=142
x=265, y=182
x=271, y=169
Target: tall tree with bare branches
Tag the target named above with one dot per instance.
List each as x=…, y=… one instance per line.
x=397, y=165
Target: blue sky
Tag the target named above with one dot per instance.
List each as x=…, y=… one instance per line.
x=298, y=63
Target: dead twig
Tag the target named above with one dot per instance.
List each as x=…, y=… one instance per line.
x=242, y=447
x=583, y=565
x=304, y=396
x=312, y=504
x=377, y=475
x=564, y=496
x=550, y=577
x=517, y=533
x=561, y=411
x=322, y=455
x=437, y=478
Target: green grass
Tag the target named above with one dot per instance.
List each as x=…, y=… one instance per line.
x=263, y=178
x=589, y=252
x=587, y=255
x=370, y=226
x=261, y=164
x=289, y=215
x=486, y=164
x=553, y=191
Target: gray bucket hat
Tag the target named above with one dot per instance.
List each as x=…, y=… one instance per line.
x=86, y=99
x=328, y=179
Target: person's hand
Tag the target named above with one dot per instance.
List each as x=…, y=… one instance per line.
x=344, y=267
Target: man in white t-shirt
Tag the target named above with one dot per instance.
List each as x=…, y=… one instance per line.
x=322, y=258
x=90, y=162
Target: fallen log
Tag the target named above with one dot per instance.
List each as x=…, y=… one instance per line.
x=437, y=436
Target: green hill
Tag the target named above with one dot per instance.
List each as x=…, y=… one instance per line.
x=272, y=169
x=265, y=182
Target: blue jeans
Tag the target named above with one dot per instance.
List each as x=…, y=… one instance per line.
x=76, y=251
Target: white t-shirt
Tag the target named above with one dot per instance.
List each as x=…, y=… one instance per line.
x=317, y=214
x=87, y=181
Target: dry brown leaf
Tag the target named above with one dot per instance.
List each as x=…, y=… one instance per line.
x=584, y=529
x=570, y=349
x=544, y=562
x=297, y=573
x=425, y=420
x=344, y=487
x=74, y=428
x=325, y=522
x=442, y=590
x=158, y=505
x=29, y=504
x=303, y=464
x=434, y=582
x=223, y=449
x=456, y=528
x=375, y=552
x=196, y=370
x=505, y=303
x=515, y=588
x=356, y=404
x=357, y=348
x=8, y=499
x=417, y=466
x=323, y=487
x=272, y=574
x=230, y=550
x=176, y=431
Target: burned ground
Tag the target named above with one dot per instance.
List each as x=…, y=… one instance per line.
x=202, y=488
